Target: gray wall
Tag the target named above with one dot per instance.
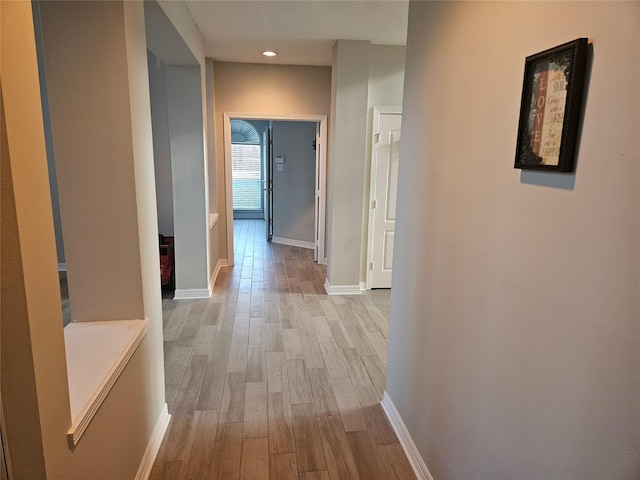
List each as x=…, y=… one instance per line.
x=173, y=38
x=293, y=188
x=161, y=144
x=386, y=84
x=190, y=206
x=514, y=330
x=386, y=75
x=51, y=161
x=349, y=91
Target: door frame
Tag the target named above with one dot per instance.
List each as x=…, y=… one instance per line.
x=321, y=182
x=267, y=181
x=375, y=131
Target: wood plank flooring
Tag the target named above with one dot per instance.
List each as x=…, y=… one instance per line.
x=64, y=298
x=273, y=379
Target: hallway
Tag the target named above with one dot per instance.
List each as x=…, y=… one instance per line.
x=273, y=379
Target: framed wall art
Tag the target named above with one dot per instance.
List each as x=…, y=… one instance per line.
x=550, y=109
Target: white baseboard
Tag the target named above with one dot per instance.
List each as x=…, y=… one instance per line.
x=341, y=289
x=62, y=267
x=149, y=457
x=214, y=276
x=294, y=243
x=363, y=286
x=410, y=449
x=191, y=293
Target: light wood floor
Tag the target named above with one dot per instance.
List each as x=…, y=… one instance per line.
x=64, y=298
x=273, y=379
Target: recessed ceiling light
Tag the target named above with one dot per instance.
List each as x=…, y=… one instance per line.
x=269, y=54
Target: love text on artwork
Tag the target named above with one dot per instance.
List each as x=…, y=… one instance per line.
x=538, y=118
x=548, y=118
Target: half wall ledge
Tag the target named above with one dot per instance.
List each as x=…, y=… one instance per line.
x=97, y=353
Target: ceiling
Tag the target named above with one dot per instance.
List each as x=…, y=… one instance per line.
x=302, y=32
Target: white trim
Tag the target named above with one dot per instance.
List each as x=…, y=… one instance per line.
x=341, y=289
x=377, y=111
x=214, y=276
x=110, y=345
x=321, y=190
x=322, y=120
x=191, y=293
x=404, y=437
x=149, y=457
x=293, y=243
x=62, y=267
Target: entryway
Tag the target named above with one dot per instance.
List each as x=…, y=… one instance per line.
x=291, y=177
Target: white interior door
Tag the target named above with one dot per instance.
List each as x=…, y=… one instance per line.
x=384, y=182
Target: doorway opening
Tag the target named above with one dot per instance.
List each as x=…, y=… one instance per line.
x=179, y=159
x=292, y=182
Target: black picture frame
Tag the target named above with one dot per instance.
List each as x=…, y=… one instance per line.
x=550, y=109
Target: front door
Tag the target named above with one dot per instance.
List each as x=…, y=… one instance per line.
x=267, y=181
x=382, y=214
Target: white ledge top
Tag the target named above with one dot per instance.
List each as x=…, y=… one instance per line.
x=97, y=353
x=213, y=219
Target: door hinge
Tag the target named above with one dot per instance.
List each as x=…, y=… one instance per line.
x=376, y=137
x=371, y=266
x=373, y=204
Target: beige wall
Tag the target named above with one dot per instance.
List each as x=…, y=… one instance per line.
x=215, y=253
x=210, y=110
x=142, y=382
x=28, y=256
x=263, y=89
x=514, y=331
x=34, y=384
x=214, y=249
x=88, y=200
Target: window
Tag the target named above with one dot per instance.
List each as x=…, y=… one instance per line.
x=246, y=174
x=246, y=169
